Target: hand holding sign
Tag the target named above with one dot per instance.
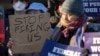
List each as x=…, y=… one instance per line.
x=52, y=48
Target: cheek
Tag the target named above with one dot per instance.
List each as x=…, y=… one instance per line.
x=72, y=18
x=65, y=18
x=63, y=22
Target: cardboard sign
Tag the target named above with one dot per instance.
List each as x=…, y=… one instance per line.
x=92, y=43
x=56, y=49
x=92, y=7
x=29, y=32
x=2, y=31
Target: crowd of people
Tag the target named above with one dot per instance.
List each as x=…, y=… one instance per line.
x=67, y=19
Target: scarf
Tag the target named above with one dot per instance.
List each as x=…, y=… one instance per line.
x=72, y=26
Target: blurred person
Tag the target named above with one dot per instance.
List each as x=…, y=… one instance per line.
x=54, y=8
x=72, y=24
x=34, y=8
x=3, y=49
x=93, y=24
x=17, y=7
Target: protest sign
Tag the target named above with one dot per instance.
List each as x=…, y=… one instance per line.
x=92, y=43
x=51, y=48
x=92, y=7
x=2, y=31
x=29, y=32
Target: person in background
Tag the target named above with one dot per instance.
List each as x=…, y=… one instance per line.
x=3, y=48
x=17, y=7
x=93, y=24
x=72, y=24
x=34, y=8
x=54, y=8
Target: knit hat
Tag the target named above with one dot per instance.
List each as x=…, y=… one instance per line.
x=73, y=7
x=37, y=6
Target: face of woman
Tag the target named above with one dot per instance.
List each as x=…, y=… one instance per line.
x=67, y=19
